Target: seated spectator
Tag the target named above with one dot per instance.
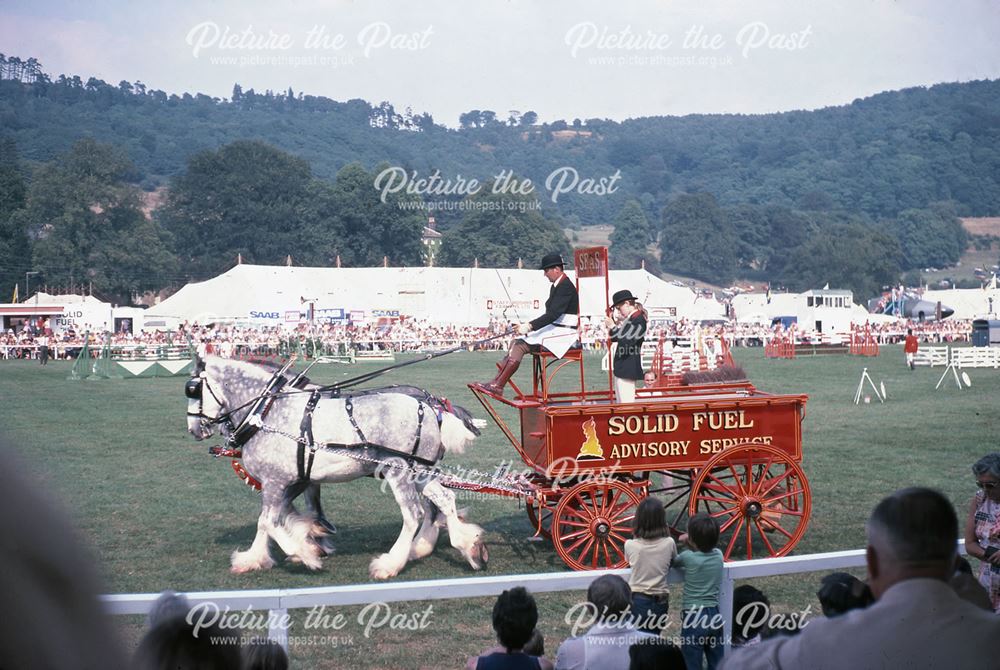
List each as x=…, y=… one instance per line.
x=917, y=620
x=748, y=602
x=655, y=654
x=605, y=646
x=841, y=592
x=514, y=618
x=982, y=526
x=264, y=654
x=172, y=645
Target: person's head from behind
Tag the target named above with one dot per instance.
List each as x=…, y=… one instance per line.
x=167, y=606
x=610, y=595
x=749, y=603
x=264, y=654
x=703, y=532
x=913, y=533
x=650, y=520
x=514, y=617
x=173, y=645
x=840, y=592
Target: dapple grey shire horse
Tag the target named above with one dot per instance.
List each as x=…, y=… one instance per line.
x=366, y=434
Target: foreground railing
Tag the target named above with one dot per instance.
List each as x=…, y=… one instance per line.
x=279, y=601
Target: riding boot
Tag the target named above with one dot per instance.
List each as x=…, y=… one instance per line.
x=508, y=366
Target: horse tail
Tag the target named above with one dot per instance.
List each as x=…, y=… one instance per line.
x=455, y=437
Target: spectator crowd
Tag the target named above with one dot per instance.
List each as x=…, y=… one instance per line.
x=413, y=335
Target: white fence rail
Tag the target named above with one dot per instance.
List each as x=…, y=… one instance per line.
x=976, y=357
x=932, y=356
x=960, y=357
x=279, y=601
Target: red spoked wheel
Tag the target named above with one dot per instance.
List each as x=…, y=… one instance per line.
x=539, y=511
x=592, y=522
x=673, y=487
x=760, y=497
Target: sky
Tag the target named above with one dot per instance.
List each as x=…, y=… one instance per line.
x=563, y=59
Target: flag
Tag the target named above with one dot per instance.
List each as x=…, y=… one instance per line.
x=14, y=299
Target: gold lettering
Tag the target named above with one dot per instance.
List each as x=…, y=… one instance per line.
x=616, y=426
x=646, y=428
x=697, y=419
x=632, y=425
x=743, y=423
x=731, y=420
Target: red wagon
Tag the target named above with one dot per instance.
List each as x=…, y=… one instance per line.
x=724, y=448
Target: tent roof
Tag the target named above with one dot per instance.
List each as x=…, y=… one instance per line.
x=460, y=295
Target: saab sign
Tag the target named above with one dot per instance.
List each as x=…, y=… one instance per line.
x=254, y=314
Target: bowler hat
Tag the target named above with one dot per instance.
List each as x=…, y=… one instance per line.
x=621, y=296
x=551, y=260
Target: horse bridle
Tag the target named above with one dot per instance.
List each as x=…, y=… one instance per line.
x=195, y=389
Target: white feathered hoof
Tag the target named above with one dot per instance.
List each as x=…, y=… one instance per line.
x=310, y=555
x=468, y=539
x=383, y=567
x=478, y=555
x=248, y=561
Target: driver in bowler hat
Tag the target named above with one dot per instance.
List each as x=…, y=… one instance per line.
x=555, y=330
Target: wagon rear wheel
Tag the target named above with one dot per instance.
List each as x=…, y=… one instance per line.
x=760, y=497
x=592, y=522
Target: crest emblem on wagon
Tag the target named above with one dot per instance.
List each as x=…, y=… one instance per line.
x=591, y=449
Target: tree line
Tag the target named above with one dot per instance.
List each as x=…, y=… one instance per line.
x=876, y=156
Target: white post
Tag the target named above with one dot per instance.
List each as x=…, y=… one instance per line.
x=726, y=608
x=275, y=631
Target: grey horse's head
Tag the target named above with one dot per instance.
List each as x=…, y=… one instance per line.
x=206, y=401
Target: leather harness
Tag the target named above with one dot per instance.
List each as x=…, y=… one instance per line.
x=252, y=423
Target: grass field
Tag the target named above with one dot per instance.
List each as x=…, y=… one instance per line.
x=160, y=513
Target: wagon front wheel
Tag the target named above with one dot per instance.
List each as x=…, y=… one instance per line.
x=760, y=497
x=592, y=522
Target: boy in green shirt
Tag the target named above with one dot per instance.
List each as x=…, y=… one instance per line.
x=701, y=623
